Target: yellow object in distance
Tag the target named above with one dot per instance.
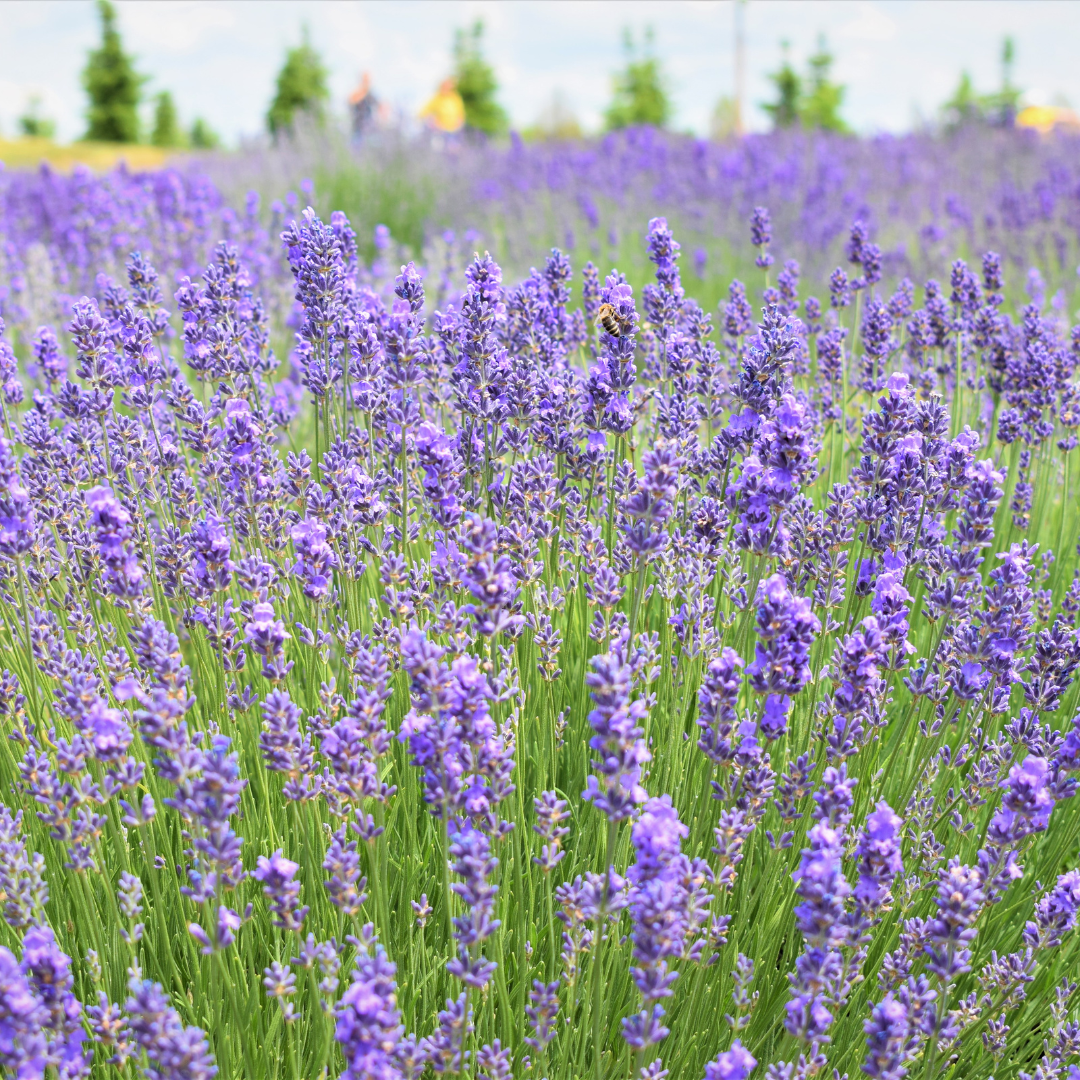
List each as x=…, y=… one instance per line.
x=445, y=111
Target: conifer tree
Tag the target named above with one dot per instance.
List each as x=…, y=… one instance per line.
x=112, y=85
x=784, y=111
x=202, y=136
x=640, y=95
x=166, y=123
x=820, y=107
x=476, y=83
x=301, y=88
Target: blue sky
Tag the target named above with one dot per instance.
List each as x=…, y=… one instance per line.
x=899, y=59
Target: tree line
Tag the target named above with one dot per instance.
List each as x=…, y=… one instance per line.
x=641, y=94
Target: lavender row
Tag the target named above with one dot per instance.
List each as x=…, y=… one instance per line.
x=927, y=198
x=603, y=689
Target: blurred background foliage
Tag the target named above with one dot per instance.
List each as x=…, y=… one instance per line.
x=476, y=83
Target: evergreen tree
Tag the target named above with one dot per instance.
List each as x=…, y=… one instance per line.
x=812, y=101
x=203, y=136
x=820, y=106
x=964, y=106
x=301, y=87
x=166, y=123
x=967, y=106
x=112, y=85
x=1001, y=108
x=476, y=83
x=785, y=110
x=640, y=89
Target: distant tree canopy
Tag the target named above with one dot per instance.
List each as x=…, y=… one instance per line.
x=112, y=85
x=301, y=88
x=640, y=89
x=202, y=136
x=784, y=111
x=810, y=101
x=820, y=107
x=998, y=108
x=32, y=124
x=476, y=83
x=166, y=131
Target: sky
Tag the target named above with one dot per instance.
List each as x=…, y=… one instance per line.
x=898, y=59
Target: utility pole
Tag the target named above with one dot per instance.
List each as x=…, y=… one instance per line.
x=740, y=67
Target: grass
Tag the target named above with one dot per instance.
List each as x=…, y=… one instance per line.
x=28, y=153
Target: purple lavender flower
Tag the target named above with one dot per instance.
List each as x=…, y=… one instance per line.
x=661, y=301
x=878, y=852
x=717, y=698
x=668, y=905
x=786, y=628
x=738, y=314
x=1055, y=913
x=959, y=899
x=473, y=862
x=48, y=977
x=734, y=1064
x=761, y=236
x=277, y=876
x=316, y=559
x=858, y=699
x=23, y=1016
x=551, y=811
x=618, y=739
x=541, y=1012
x=22, y=875
x=445, y=1049
x=173, y=1050
x=368, y=1024
x=887, y=1033
x=489, y=578
x=467, y=762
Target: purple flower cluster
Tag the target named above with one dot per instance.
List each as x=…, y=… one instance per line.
x=618, y=736
x=669, y=901
x=340, y=612
x=786, y=628
x=466, y=761
x=39, y=1014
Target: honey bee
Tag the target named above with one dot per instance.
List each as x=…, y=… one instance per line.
x=608, y=320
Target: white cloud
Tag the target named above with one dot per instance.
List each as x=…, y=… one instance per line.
x=15, y=97
x=174, y=25
x=871, y=24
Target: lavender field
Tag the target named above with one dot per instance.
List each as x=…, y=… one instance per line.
x=428, y=650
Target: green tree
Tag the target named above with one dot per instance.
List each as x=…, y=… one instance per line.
x=166, y=122
x=965, y=104
x=640, y=89
x=476, y=83
x=202, y=136
x=301, y=87
x=785, y=110
x=1001, y=108
x=32, y=124
x=112, y=85
x=820, y=105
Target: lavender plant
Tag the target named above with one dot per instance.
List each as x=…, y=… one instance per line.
x=484, y=692
x=926, y=198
